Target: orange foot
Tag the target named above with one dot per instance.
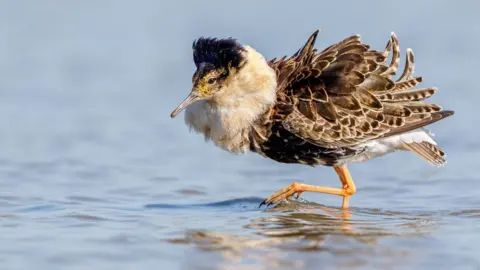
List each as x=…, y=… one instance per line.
x=284, y=193
x=298, y=188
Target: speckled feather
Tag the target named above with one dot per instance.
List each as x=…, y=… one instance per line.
x=329, y=103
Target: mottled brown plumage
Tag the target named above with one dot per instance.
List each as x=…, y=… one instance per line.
x=334, y=100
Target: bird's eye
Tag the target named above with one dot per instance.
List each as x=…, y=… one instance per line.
x=212, y=80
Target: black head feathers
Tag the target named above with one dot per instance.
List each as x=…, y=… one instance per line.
x=217, y=52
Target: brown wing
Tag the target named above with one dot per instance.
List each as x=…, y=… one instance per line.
x=345, y=95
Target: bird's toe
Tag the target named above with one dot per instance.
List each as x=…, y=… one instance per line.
x=285, y=193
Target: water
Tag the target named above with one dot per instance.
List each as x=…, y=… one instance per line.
x=94, y=173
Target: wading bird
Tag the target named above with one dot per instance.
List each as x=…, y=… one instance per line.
x=328, y=108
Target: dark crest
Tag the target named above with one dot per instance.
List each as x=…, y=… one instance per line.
x=217, y=52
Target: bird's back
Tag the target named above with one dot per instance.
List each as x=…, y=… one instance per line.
x=332, y=105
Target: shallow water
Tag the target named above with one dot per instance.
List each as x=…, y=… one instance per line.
x=94, y=173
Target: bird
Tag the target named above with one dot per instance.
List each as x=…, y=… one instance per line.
x=328, y=108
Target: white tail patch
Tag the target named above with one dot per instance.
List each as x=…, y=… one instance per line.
x=418, y=135
x=382, y=146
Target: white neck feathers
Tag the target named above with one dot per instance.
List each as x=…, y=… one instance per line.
x=228, y=116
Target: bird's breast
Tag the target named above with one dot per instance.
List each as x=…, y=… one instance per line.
x=227, y=128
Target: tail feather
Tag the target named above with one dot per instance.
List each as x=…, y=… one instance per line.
x=407, y=84
x=429, y=119
x=401, y=96
x=427, y=151
x=392, y=68
x=409, y=95
x=409, y=67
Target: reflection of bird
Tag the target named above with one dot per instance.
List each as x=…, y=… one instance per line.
x=315, y=108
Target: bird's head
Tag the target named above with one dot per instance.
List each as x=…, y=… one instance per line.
x=217, y=60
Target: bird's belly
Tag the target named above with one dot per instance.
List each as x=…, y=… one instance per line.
x=283, y=146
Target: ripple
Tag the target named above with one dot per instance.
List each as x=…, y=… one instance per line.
x=40, y=208
x=85, y=217
x=8, y=216
x=248, y=203
x=87, y=199
x=308, y=227
x=235, y=248
x=191, y=192
x=164, y=179
x=9, y=198
x=470, y=213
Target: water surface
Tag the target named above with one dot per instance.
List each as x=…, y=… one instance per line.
x=95, y=174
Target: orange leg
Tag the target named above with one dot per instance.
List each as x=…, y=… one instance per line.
x=347, y=182
x=347, y=190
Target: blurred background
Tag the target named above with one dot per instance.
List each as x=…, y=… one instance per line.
x=94, y=173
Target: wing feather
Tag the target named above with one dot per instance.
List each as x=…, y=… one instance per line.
x=345, y=95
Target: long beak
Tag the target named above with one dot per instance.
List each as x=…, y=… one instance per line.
x=188, y=101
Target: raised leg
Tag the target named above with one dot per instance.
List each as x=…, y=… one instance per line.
x=348, y=189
